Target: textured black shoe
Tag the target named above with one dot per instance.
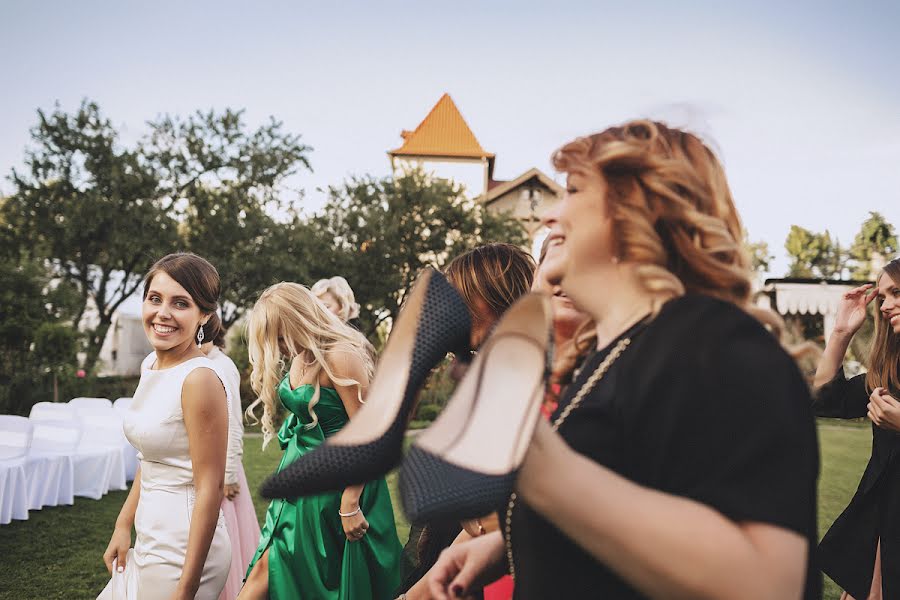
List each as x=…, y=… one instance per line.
x=434, y=320
x=464, y=465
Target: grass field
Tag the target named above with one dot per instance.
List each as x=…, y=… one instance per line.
x=56, y=554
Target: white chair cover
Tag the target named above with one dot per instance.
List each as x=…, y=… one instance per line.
x=51, y=477
x=122, y=404
x=13, y=491
x=52, y=411
x=106, y=435
x=91, y=405
x=15, y=439
x=93, y=466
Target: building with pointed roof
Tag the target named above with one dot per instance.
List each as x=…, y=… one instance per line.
x=445, y=144
x=444, y=137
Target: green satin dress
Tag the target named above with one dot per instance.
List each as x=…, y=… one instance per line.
x=309, y=556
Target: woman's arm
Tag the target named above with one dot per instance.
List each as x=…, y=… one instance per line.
x=420, y=590
x=664, y=545
x=851, y=314
x=206, y=420
x=832, y=358
x=347, y=365
x=121, y=537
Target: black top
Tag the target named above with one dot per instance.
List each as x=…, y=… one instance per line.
x=847, y=551
x=703, y=404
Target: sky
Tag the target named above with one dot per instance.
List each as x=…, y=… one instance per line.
x=801, y=100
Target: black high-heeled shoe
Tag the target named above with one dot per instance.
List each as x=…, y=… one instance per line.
x=434, y=320
x=464, y=465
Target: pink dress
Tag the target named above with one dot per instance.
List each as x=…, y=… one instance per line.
x=240, y=516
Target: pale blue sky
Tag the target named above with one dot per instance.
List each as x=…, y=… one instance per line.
x=801, y=99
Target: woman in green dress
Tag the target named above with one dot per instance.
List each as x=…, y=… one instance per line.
x=334, y=546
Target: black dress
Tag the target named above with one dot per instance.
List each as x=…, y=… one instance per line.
x=703, y=404
x=847, y=552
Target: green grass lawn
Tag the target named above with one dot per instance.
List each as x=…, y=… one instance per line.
x=56, y=554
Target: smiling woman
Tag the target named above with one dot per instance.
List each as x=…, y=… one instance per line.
x=178, y=421
x=860, y=551
x=640, y=488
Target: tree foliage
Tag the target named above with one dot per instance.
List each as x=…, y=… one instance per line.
x=223, y=181
x=35, y=339
x=381, y=232
x=814, y=254
x=101, y=214
x=875, y=237
x=90, y=208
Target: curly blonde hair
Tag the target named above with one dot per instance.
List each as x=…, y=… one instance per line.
x=671, y=209
x=338, y=287
x=289, y=321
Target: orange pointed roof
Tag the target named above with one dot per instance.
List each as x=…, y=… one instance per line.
x=442, y=134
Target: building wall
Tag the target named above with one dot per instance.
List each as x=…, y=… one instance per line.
x=470, y=175
x=529, y=210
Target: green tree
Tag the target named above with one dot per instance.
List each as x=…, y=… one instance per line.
x=223, y=181
x=55, y=347
x=91, y=209
x=876, y=239
x=814, y=254
x=378, y=233
x=760, y=256
x=35, y=337
x=250, y=249
x=101, y=214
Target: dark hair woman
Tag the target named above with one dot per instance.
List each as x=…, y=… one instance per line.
x=178, y=421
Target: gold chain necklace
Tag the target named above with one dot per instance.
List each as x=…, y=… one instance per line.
x=595, y=377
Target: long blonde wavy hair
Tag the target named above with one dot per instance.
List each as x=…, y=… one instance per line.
x=286, y=322
x=884, y=357
x=671, y=209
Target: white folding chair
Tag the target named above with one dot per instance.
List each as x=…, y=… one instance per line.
x=91, y=405
x=106, y=435
x=15, y=439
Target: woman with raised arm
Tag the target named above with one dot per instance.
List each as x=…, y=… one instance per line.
x=861, y=551
x=178, y=421
x=682, y=460
x=337, y=545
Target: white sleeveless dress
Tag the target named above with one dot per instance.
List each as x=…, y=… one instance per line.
x=154, y=424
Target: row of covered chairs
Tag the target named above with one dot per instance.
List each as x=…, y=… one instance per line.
x=62, y=450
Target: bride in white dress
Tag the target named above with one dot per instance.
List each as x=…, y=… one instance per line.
x=178, y=421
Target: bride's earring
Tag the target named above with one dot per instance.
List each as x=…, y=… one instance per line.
x=200, y=336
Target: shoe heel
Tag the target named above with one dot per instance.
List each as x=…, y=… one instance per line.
x=433, y=321
x=465, y=464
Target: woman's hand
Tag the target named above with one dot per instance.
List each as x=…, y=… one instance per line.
x=117, y=549
x=356, y=525
x=232, y=490
x=851, y=313
x=464, y=567
x=884, y=410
